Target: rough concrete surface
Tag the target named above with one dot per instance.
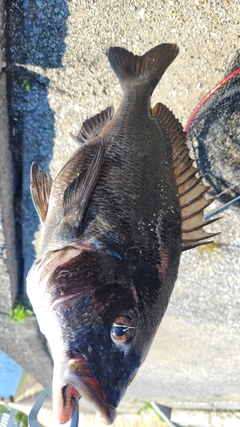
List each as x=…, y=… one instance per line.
x=6, y=187
x=20, y=341
x=202, y=418
x=58, y=49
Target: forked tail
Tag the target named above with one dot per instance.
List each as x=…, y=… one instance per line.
x=147, y=69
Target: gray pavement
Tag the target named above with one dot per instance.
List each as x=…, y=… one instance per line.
x=59, y=49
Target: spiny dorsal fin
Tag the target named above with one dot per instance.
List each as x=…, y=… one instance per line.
x=92, y=127
x=191, y=190
x=40, y=186
x=78, y=193
x=149, y=67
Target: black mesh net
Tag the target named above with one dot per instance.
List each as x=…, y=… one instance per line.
x=214, y=132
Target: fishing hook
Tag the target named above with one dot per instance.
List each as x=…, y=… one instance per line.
x=33, y=415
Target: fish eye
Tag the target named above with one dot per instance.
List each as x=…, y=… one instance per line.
x=122, y=330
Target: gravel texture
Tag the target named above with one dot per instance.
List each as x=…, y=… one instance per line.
x=58, y=48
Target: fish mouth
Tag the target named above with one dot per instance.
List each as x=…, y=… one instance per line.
x=76, y=381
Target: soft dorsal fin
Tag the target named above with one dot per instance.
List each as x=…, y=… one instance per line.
x=191, y=190
x=92, y=127
x=40, y=186
x=78, y=193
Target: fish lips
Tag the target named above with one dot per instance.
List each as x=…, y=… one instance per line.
x=75, y=380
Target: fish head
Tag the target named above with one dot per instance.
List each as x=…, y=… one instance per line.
x=101, y=349
x=97, y=325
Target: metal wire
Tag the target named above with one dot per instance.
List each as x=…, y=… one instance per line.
x=33, y=415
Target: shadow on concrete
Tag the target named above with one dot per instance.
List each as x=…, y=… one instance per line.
x=36, y=32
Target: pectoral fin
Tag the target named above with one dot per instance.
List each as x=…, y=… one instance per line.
x=78, y=193
x=191, y=190
x=40, y=186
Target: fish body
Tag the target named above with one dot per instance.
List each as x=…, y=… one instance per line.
x=112, y=240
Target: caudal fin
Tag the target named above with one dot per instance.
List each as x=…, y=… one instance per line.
x=149, y=68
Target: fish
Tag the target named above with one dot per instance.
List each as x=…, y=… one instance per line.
x=116, y=220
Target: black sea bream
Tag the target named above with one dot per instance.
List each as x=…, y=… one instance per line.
x=116, y=219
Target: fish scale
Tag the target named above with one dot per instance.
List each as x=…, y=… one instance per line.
x=116, y=220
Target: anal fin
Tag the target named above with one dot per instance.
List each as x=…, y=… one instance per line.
x=78, y=193
x=92, y=127
x=191, y=190
x=40, y=186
